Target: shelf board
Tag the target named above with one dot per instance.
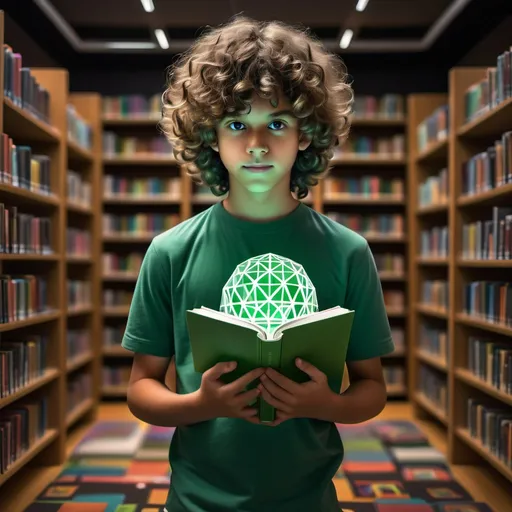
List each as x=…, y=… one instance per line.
x=430, y=407
x=427, y=309
x=26, y=457
x=22, y=196
x=79, y=208
x=23, y=126
x=367, y=159
x=432, y=360
x=72, y=258
x=29, y=257
x=115, y=391
x=362, y=200
x=141, y=199
x=130, y=121
x=378, y=121
x=116, y=351
x=473, y=321
x=432, y=209
x=391, y=276
x=139, y=160
x=396, y=312
x=384, y=239
x=469, y=378
x=478, y=447
x=123, y=238
x=121, y=276
x=396, y=390
x=489, y=198
x=434, y=151
x=484, y=263
x=80, y=310
x=431, y=261
x=116, y=311
x=33, y=320
x=78, y=361
x=79, y=153
x=49, y=375
x=78, y=411
x=492, y=123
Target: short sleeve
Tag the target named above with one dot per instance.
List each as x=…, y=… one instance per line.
x=371, y=333
x=149, y=329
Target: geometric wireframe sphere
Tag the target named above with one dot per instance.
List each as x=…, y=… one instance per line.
x=268, y=290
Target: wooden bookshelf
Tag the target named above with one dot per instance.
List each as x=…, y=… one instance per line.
x=425, y=163
x=51, y=140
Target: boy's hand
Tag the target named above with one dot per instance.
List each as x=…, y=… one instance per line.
x=228, y=400
x=294, y=400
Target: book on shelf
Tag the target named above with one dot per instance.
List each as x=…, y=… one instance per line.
x=434, y=341
x=491, y=361
x=391, y=225
x=490, y=301
x=22, y=88
x=21, y=167
x=492, y=90
x=388, y=262
x=366, y=186
x=394, y=376
x=435, y=293
x=387, y=147
x=388, y=106
x=79, y=190
x=489, y=239
x=489, y=169
x=79, y=293
x=79, y=130
x=139, y=223
x=22, y=360
x=434, y=190
x=78, y=342
x=434, y=242
x=433, y=128
x=141, y=186
x=24, y=233
x=492, y=426
x=129, y=263
x=132, y=106
x=116, y=145
x=22, y=424
x=113, y=298
x=216, y=336
x=394, y=299
x=22, y=296
x=432, y=384
x=79, y=389
x=78, y=242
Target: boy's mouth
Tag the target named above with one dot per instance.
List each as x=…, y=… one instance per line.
x=258, y=167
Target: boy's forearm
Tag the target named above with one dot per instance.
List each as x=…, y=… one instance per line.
x=153, y=403
x=363, y=400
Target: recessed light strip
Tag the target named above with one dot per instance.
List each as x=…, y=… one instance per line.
x=346, y=38
x=148, y=5
x=161, y=38
x=361, y=5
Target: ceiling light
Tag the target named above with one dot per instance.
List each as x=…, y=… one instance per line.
x=346, y=38
x=361, y=5
x=148, y=5
x=161, y=38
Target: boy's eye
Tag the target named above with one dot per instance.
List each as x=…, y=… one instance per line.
x=278, y=122
x=238, y=123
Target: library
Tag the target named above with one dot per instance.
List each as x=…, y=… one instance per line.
x=98, y=174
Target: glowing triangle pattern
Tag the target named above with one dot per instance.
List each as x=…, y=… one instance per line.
x=269, y=290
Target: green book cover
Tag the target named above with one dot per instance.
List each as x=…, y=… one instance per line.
x=321, y=338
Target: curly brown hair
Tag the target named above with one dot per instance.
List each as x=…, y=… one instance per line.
x=217, y=75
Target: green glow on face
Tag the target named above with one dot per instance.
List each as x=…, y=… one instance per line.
x=269, y=290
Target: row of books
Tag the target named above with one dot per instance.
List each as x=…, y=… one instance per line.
x=394, y=376
x=21, y=426
x=434, y=242
x=139, y=223
x=489, y=239
x=113, y=297
x=20, y=167
x=491, y=361
x=79, y=190
x=22, y=88
x=79, y=130
x=79, y=389
x=488, y=169
x=113, y=335
x=79, y=293
x=433, y=386
x=115, y=145
x=434, y=128
x=78, y=242
x=23, y=233
x=367, y=186
x=434, y=341
x=435, y=293
x=131, y=106
x=390, y=262
x=492, y=426
x=143, y=186
x=434, y=190
x=22, y=297
x=491, y=91
x=398, y=336
x=117, y=375
x=388, y=106
x=113, y=262
x=385, y=146
x=22, y=360
x=78, y=341
x=394, y=299
x=391, y=225
x=489, y=300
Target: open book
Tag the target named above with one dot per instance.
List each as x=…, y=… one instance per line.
x=320, y=338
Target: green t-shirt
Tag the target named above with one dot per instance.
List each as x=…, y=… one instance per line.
x=231, y=464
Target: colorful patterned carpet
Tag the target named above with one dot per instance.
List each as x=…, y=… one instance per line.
x=389, y=466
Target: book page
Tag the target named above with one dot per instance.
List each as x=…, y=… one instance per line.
x=223, y=317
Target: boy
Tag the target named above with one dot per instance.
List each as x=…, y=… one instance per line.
x=254, y=110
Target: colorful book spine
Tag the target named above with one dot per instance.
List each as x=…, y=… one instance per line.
x=490, y=301
x=365, y=186
x=394, y=376
x=394, y=299
x=116, y=297
x=132, y=106
x=390, y=262
x=79, y=130
x=78, y=242
x=129, y=263
x=79, y=388
x=78, y=342
x=434, y=128
x=116, y=145
x=79, y=293
x=434, y=242
x=116, y=375
x=393, y=146
x=79, y=190
x=434, y=341
x=388, y=106
x=432, y=384
x=435, y=293
x=22, y=296
x=139, y=224
x=112, y=335
x=434, y=190
x=391, y=225
x=114, y=185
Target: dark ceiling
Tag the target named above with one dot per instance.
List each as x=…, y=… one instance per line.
x=400, y=21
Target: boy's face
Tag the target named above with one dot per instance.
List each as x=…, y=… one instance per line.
x=268, y=138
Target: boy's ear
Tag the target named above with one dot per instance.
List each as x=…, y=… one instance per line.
x=215, y=146
x=304, y=141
